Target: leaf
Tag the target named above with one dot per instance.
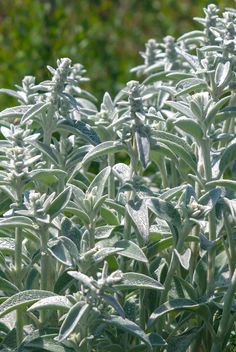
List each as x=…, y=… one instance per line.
x=8, y=287
x=47, y=176
x=178, y=305
x=46, y=150
x=109, y=216
x=181, y=342
x=64, y=250
x=128, y=326
x=73, y=318
x=214, y=108
x=103, y=149
x=16, y=111
x=181, y=108
x=189, y=126
x=101, y=254
x=79, y=128
x=143, y=146
x=122, y=172
x=184, y=259
x=22, y=299
x=43, y=344
x=17, y=221
x=59, y=203
x=34, y=110
x=189, y=85
x=222, y=74
x=210, y=198
x=228, y=157
x=165, y=210
x=131, y=250
x=54, y=302
x=229, y=184
x=114, y=303
x=99, y=182
x=138, y=281
x=138, y=212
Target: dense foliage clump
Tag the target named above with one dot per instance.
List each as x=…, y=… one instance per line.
x=117, y=228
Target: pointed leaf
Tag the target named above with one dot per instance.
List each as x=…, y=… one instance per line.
x=59, y=203
x=138, y=212
x=131, y=250
x=138, y=281
x=103, y=149
x=33, y=111
x=228, y=157
x=189, y=126
x=143, y=146
x=99, y=182
x=54, y=302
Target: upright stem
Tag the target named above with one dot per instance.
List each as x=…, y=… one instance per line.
x=206, y=158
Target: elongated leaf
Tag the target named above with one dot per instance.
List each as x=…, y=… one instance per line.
x=184, y=259
x=47, y=176
x=16, y=111
x=43, y=344
x=79, y=213
x=103, y=149
x=79, y=128
x=229, y=184
x=222, y=73
x=22, y=299
x=64, y=250
x=46, y=150
x=75, y=314
x=138, y=212
x=180, y=107
x=99, y=182
x=17, y=221
x=210, y=198
x=228, y=156
x=137, y=280
x=131, y=250
x=165, y=210
x=7, y=286
x=34, y=110
x=54, y=302
x=214, y=108
x=180, y=304
x=59, y=203
x=143, y=146
x=181, y=342
x=128, y=326
x=189, y=126
x=114, y=303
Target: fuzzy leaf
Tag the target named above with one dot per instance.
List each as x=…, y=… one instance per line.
x=59, y=203
x=128, y=326
x=22, y=299
x=131, y=250
x=228, y=157
x=54, y=302
x=136, y=280
x=17, y=221
x=138, y=212
x=180, y=304
x=99, y=182
x=33, y=111
x=16, y=111
x=143, y=146
x=103, y=149
x=73, y=318
x=189, y=126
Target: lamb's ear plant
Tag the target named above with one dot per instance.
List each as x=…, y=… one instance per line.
x=117, y=228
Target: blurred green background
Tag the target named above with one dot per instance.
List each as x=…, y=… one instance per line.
x=104, y=35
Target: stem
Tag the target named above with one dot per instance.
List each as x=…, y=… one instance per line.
x=163, y=171
x=111, y=180
x=226, y=314
x=206, y=158
x=231, y=244
x=44, y=268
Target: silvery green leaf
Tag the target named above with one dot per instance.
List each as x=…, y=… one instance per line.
x=64, y=250
x=8, y=287
x=128, y=326
x=122, y=171
x=104, y=231
x=59, y=203
x=229, y=184
x=78, y=312
x=227, y=158
x=143, y=146
x=22, y=299
x=138, y=212
x=165, y=210
x=54, y=302
x=107, y=101
x=44, y=343
x=187, y=287
x=84, y=279
x=175, y=76
x=103, y=149
x=47, y=151
x=189, y=85
x=214, y=108
x=17, y=221
x=160, y=149
x=131, y=250
x=79, y=128
x=181, y=108
x=16, y=111
x=222, y=74
x=191, y=35
x=181, y=342
x=34, y=111
x=18, y=95
x=184, y=259
x=114, y=303
x=210, y=198
x=155, y=77
x=99, y=182
x=101, y=254
x=189, y=126
x=47, y=176
x=178, y=305
x=81, y=214
x=138, y=281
